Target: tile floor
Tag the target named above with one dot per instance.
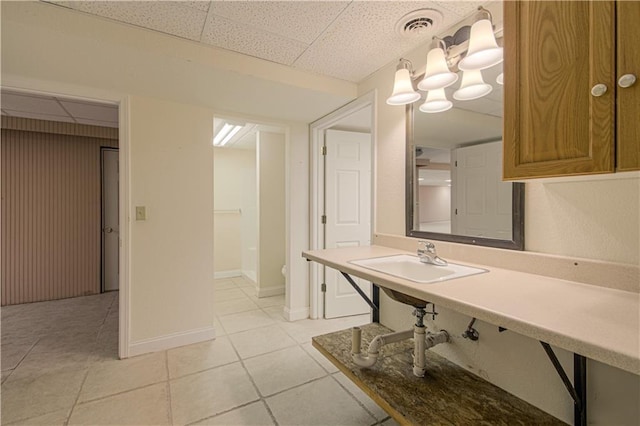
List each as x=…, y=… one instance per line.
x=60, y=366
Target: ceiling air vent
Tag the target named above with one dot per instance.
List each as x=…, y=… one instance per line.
x=419, y=23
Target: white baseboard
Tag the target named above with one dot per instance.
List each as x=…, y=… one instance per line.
x=270, y=291
x=296, y=314
x=171, y=341
x=227, y=274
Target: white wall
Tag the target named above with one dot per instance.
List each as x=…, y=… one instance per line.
x=171, y=175
x=435, y=203
x=234, y=189
x=596, y=220
x=271, y=213
x=57, y=50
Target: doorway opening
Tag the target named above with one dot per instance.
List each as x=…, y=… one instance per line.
x=250, y=236
x=342, y=215
x=52, y=233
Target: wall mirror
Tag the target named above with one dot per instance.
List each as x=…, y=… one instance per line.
x=454, y=187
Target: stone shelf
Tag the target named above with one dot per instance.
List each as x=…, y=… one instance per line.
x=447, y=395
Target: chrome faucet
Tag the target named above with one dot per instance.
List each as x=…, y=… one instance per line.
x=427, y=254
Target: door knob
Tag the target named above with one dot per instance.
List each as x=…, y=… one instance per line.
x=626, y=80
x=108, y=229
x=599, y=90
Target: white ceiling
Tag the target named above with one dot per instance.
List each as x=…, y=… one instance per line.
x=348, y=40
x=52, y=108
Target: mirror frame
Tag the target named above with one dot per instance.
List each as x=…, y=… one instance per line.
x=517, y=227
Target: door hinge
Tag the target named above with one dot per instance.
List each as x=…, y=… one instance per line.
x=324, y=150
x=456, y=163
x=456, y=211
x=324, y=219
x=323, y=287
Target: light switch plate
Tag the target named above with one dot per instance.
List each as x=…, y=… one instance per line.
x=141, y=213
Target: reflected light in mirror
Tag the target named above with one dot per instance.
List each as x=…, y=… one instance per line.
x=436, y=102
x=472, y=87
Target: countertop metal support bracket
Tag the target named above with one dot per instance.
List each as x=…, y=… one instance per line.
x=375, y=304
x=577, y=389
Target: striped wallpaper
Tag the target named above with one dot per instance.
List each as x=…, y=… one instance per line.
x=50, y=209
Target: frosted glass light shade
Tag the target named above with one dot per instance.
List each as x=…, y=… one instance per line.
x=436, y=102
x=500, y=79
x=403, y=92
x=472, y=86
x=437, y=74
x=483, y=50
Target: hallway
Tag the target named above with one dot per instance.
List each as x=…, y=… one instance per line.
x=60, y=368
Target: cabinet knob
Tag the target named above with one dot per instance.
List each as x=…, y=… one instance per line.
x=626, y=80
x=599, y=89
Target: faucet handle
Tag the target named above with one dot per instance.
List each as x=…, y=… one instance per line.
x=426, y=247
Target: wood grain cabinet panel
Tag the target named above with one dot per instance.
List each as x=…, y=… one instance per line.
x=555, y=53
x=628, y=99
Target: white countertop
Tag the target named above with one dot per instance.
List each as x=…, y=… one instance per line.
x=597, y=322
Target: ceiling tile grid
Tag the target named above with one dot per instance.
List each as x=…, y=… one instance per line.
x=297, y=20
x=227, y=34
x=171, y=17
x=348, y=40
x=363, y=39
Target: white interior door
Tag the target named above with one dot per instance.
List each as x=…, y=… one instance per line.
x=482, y=201
x=348, y=214
x=110, y=228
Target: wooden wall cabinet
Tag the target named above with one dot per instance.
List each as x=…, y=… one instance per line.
x=557, y=53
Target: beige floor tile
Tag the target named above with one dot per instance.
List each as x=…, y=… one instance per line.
x=12, y=354
x=30, y=397
x=37, y=364
x=243, y=321
x=146, y=406
x=275, y=312
x=243, y=282
x=390, y=422
x=261, y=341
x=265, y=302
x=228, y=294
x=234, y=306
x=321, y=359
x=255, y=414
x=6, y=374
x=220, y=331
x=57, y=418
x=281, y=370
x=223, y=284
x=200, y=356
x=250, y=291
x=322, y=402
x=111, y=377
x=206, y=394
x=368, y=403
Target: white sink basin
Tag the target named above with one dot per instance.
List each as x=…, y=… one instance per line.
x=410, y=268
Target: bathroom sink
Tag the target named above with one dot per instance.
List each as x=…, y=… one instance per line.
x=410, y=268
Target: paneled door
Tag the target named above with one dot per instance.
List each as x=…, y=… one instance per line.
x=347, y=214
x=110, y=228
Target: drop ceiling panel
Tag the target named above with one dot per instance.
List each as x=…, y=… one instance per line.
x=297, y=20
x=228, y=34
x=363, y=39
x=39, y=116
x=44, y=105
x=348, y=40
x=105, y=113
x=172, y=17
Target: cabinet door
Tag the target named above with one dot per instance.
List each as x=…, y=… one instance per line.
x=555, y=52
x=628, y=102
